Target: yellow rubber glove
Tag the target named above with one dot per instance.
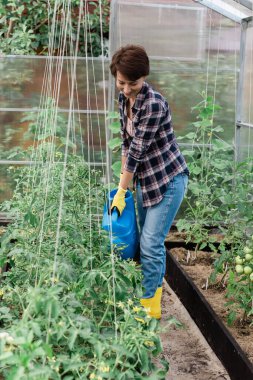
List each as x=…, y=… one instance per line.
x=119, y=200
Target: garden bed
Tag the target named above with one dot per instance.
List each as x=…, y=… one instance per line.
x=187, y=274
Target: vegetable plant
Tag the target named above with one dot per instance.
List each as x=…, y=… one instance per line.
x=69, y=304
x=240, y=285
x=220, y=195
x=25, y=26
x=210, y=161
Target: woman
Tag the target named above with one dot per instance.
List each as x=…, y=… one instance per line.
x=152, y=159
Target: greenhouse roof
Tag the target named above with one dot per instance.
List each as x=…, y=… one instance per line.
x=237, y=10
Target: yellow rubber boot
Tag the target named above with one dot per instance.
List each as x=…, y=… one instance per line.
x=153, y=305
x=156, y=308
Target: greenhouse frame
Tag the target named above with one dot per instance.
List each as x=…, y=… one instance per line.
x=126, y=189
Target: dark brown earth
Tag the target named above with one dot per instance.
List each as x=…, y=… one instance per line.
x=187, y=351
x=199, y=269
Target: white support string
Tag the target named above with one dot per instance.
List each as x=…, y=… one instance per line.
x=110, y=232
x=49, y=118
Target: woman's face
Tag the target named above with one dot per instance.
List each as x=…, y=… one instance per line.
x=129, y=88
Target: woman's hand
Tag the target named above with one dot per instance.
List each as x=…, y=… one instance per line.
x=119, y=200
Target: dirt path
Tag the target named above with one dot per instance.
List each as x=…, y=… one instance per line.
x=187, y=351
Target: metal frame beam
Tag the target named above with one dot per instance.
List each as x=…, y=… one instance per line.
x=225, y=9
x=246, y=3
x=239, y=95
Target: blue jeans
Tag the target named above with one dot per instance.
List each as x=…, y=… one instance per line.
x=155, y=223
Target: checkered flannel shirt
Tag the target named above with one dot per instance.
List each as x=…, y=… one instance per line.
x=152, y=154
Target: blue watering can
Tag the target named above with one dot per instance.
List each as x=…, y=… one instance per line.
x=123, y=229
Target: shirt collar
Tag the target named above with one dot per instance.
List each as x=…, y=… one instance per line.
x=140, y=96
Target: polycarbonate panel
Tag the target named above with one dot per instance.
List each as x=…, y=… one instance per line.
x=247, y=94
x=7, y=181
x=246, y=143
x=13, y=132
x=93, y=138
x=25, y=82
x=183, y=81
x=182, y=87
x=87, y=133
x=162, y=28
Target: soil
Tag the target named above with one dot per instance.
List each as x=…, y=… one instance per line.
x=199, y=267
x=188, y=353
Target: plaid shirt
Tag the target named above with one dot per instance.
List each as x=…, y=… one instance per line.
x=152, y=154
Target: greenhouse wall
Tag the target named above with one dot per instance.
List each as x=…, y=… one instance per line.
x=27, y=83
x=194, y=52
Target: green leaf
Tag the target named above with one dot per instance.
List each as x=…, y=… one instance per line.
x=48, y=350
x=203, y=245
x=116, y=168
x=69, y=143
x=31, y=218
x=6, y=355
x=36, y=329
x=112, y=115
x=196, y=170
x=202, y=124
x=190, y=136
x=115, y=143
x=231, y=318
x=218, y=129
x=144, y=360
x=73, y=333
x=220, y=145
x=114, y=127
x=189, y=153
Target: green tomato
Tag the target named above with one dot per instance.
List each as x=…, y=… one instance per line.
x=239, y=269
x=251, y=276
x=247, y=269
x=238, y=260
x=247, y=250
x=248, y=257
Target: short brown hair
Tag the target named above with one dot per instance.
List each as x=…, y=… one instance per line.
x=131, y=61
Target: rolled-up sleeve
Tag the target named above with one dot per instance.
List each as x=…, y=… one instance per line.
x=124, y=149
x=150, y=121
x=125, y=142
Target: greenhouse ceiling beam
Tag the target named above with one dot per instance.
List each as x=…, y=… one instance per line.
x=246, y=3
x=62, y=110
x=13, y=162
x=225, y=9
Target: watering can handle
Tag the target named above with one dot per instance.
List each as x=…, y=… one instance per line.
x=115, y=214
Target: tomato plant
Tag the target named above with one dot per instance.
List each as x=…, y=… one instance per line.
x=210, y=163
x=220, y=195
x=240, y=284
x=69, y=305
x=25, y=27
